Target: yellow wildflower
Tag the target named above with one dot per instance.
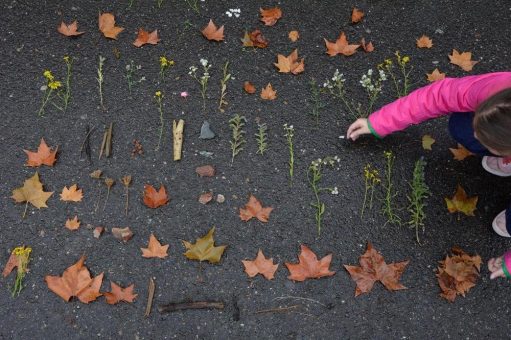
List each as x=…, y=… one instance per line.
x=163, y=61
x=54, y=84
x=158, y=94
x=406, y=59
x=67, y=59
x=47, y=74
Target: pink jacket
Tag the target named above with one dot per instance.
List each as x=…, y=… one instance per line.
x=440, y=98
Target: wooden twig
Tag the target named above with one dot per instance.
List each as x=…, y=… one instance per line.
x=172, y=307
x=86, y=142
x=150, y=297
x=106, y=144
x=278, y=309
x=177, y=132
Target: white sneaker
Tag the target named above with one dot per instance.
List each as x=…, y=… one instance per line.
x=499, y=224
x=497, y=165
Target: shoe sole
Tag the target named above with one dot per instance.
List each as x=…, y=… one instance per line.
x=484, y=163
x=497, y=229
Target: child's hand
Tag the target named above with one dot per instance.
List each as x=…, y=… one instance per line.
x=495, y=267
x=358, y=128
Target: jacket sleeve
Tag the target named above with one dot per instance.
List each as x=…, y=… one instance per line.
x=440, y=98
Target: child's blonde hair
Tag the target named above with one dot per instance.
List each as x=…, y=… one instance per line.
x=492, y=122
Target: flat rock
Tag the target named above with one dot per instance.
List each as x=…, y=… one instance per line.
x=205, y=131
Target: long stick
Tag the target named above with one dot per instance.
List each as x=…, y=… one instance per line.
x=150, y=297
x=172, y=307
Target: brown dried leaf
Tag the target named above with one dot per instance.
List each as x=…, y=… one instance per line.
x=268, y=93
x=254, y=208
x=155, y=249
x=260, y=265
x=118, y=294
x=107, y=26
x=290, y=63
x=72, y=224
x=154, y=199
x=254, y=39
x=44, y=155
x=460, y=153
x=70, y=30
x=72, y=194
x=308, y=266
x=424, y=42
x=212, y=32
x=463, y=60
x=294, y=36
x=340, y=46
x=270, y=16
x=249, y=87
x=372, y=269
x=145, y=37
x=356, y=15
x=206, y=197
x=435, y=75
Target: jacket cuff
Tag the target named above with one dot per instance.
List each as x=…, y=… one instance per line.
x=373, y=132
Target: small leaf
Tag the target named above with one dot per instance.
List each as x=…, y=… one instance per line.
x=340, y=46
x=461, y=202
x=356, y=15
x=73, y=194
x=145, y=37
x=204, y=249
x=155, y=249
x=72, y=224
x=118, y=294
x=249, y=88
x=70, y=30
x=294, y=36
x=106, y=23
x=460, y=153
x=435, y=75
x=268, y=93
x=154, y=199
x=424, y=42
x=211, y=32
x=255, y=209
x=463, y=60
x=308, y=266
x=43, y=156
x=205, y=171
x=270, y=16
x=289, y=64
x=427, y=142
x=260, y=265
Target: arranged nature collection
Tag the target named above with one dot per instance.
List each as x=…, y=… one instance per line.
x=456, y=274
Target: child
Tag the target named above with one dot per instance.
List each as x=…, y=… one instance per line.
x=480, y=108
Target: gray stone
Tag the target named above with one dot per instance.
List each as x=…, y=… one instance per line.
x=205, y=131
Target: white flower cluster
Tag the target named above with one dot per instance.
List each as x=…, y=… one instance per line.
x=290, y=130
x=334, y=191
x=205, y=76
x=337, y=79
x=325, y=161
x=233, y=11
x=373, y=87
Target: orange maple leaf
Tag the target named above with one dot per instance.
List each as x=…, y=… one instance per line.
x=76, y=281
x=268, y=93
x=460, y=153
x=270, y=16
x=73, y=224
x=117, y=294
x=254, y=39
x=260, y=265
x=293, y=36
x=249, y=87
x=254, y=208
x=461, y=202
x=289, y=63
x=369, y=47
x=424, y=42
x=155, y=249
x=106, y=23
x=44, y=155
x=356, y=15
x=211, y=32
x=462, y=60
x=435, y=75
x=70, y=30
x=145, y=37
x=154, y=199
x=340, y=46
x=72, y=194
x=308, y=266
x=372, y=269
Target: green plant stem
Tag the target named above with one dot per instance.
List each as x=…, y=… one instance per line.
x=45, y=101
x=162, y=123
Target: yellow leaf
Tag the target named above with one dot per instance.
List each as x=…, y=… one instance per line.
x=461, y=202
x=204, y=249
x=32, y=192
x=427, y=141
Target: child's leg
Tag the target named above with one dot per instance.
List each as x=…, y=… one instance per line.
x=460, y=128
